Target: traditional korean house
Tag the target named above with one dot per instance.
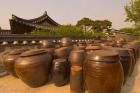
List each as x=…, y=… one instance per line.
x=22, y=26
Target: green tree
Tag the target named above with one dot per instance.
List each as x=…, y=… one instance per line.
x=85, y=23
x=100, y=25
x=106, y=24
x=133, y=12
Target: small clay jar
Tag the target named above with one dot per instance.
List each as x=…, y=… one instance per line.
x=65, y=42
x=48, y=44
x=76, y=57
x=119, y=44
x=10, y=59
x=62, y=52
x=60, y=72
x=81, y=44
x=33, y=67
x=76, y=80
x=89, y=43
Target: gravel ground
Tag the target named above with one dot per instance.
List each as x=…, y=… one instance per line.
x=9, y=84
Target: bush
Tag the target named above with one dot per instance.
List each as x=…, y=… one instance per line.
x=67, y=30
x=134, y=31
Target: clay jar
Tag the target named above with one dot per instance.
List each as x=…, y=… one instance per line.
x=60, y=72
x=62, y=52
x=48, y=44
x=103, y=72
x=81, y=45
x=119, y=43
x=89, y=43
x=77, y=57
x=50, y=50
x=137, y=46
x=10, y=59
x=126, y=61
x=33, y=67
x=133, y=61
x=133, y=48
x=65, y=42
x=76, y=80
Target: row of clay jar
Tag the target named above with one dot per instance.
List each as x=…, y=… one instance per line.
x=35, y=67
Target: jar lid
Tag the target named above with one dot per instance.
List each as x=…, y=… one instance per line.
x=122, y=51
x=103, y=56
x=32, y=52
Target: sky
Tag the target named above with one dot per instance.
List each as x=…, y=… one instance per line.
x=65, y=11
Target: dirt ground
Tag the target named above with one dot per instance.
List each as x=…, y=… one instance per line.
x=9, y=84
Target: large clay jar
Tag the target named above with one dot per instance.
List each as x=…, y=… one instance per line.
x=65, y=42
x=76, y=80
x=5, y=54
x=60, y=72
x=136, y=45
x=133, y=61
x=77, y=57
x=62, y=52
x=48, y=44
x=126, y=61
x=103, y=72
x=33, y=67
x=10, y=59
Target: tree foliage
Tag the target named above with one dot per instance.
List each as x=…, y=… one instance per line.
x=133, y=12
x=94, y=25
x=84, y=22
x=100, y=25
